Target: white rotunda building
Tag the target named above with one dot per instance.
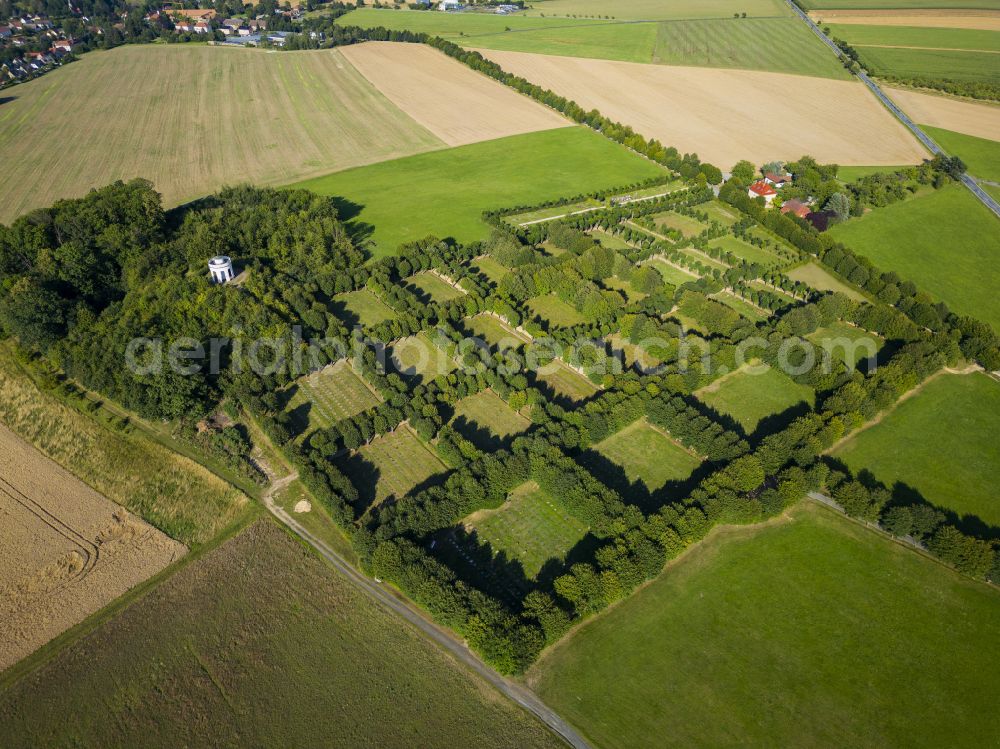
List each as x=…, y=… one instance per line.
x=221, y=268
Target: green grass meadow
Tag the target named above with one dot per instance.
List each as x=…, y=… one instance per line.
x=362, y=307
x=916, y=36
x=941, y=442
x=931, y=63
x=809, y=631
x=258, y=643
x=946, y=242
x=658, y=10
x=647, y=455
x=485, y=420
x=981, y=156
x=530, y=526
x=817, y=277
x=750, y=398
x=554, y=310
x=445, y=192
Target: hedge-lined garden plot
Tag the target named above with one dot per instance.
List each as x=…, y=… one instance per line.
x=719, y=211
x=490, y=268
x=741, y=306
x=646, y=454
x=361, y=307
x=433, y=288
x=494, y=331
x=323, y=398
x=747, y=251
x=686, y=225
x=847, y=343
x=753, y=394
x=554, y=310
x=530, y=527
x=417, y=356
x=632, y=354
x=486, y=421
x=817, y=277
x=390, y=466
x=565, y=382
x=672, y=274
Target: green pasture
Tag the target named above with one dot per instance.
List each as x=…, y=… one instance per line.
x=945, y=241
x=916, y=36
x=981, y=156
x=931, y=63
x=451, y=188
x=750, y=395
x=647, y=455
x=362, y=307
x=530, y=527
x=941, y=442
x=809, y=631
x=657, y=10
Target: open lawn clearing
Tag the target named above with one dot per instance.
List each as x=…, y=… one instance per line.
x=553, y=36
x=456, y=185
x=390, y=466
x=362, y=307
x=916, y=36
x=487, y=266
x=980, y=155
x=657, y=9
x=817, y=277
x=494, y=331
x=323, y=398
x=645, y=454
x=686, y=225
x=741, y=306
x=487, y=421
x=719, y=211
x=847, y=343
x=753, y=394
x=848, y=638
x=169, y=491
x=631, y=353
x=434, y=287
x=565, y=381
x=610, y=240
x=65, y=551
x=530, y=527
x=625, y=287
x=735, y=43
x=717, y=113
x=554, y=311
x=946, y=64
x=942, y=442
x=192, y=119
x=972, y=14
x=672, y=274
x=418, y=356
x=747, y=251
x=259, y=629
x=945, y=241
x=455, y=103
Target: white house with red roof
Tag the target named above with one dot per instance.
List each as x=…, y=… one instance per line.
x=761, y=189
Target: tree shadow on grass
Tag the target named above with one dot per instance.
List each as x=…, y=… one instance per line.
x=364, y=475
x=776, y=422
x=479, y=435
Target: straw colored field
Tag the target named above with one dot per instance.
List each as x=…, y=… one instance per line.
x=981, y=156
x=433, y=287
x=554, y=310
x=849, y=639
x=494, y=331
x=816, y=276
x=445, y=193
x=362, y=307
x=980, y=120
x=566, y=382
x=259, y=638
x=751, y=395
x=736, y=43
x=917, y=238
x=323, y=398
x=487, y=421
x=843, y=342
x=452, y=101
x=169, y=491
x=390, y=466
x=530, y=527
x=192, y=119
x=975, y=14
x=942, y=443
x=418, y=356
x=719, y=113
x=65, y=551
x=647, y=455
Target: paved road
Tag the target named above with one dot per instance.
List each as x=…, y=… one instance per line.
x=519, y=694
x=934, y=148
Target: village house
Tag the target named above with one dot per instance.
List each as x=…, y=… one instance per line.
x=202, y=27
x=777, y=180
x=796, y=207
x=5, y=32
x=761, y=189
x=63, y=46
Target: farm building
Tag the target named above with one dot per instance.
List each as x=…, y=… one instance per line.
x=796, y=207
x=451, y=5
x=777, y=180
x=761, y=189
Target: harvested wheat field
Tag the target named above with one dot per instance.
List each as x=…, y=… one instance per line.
x=980, y=120
x=728, y=115
x=455, y=103
x=193, y=119
x=65, y=551
x=985, y=20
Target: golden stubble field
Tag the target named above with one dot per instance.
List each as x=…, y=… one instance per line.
x=193, y=119
x=985, y=20
x=455, y=103
x=728, y=115
x=65, y=550
x=980, y=120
